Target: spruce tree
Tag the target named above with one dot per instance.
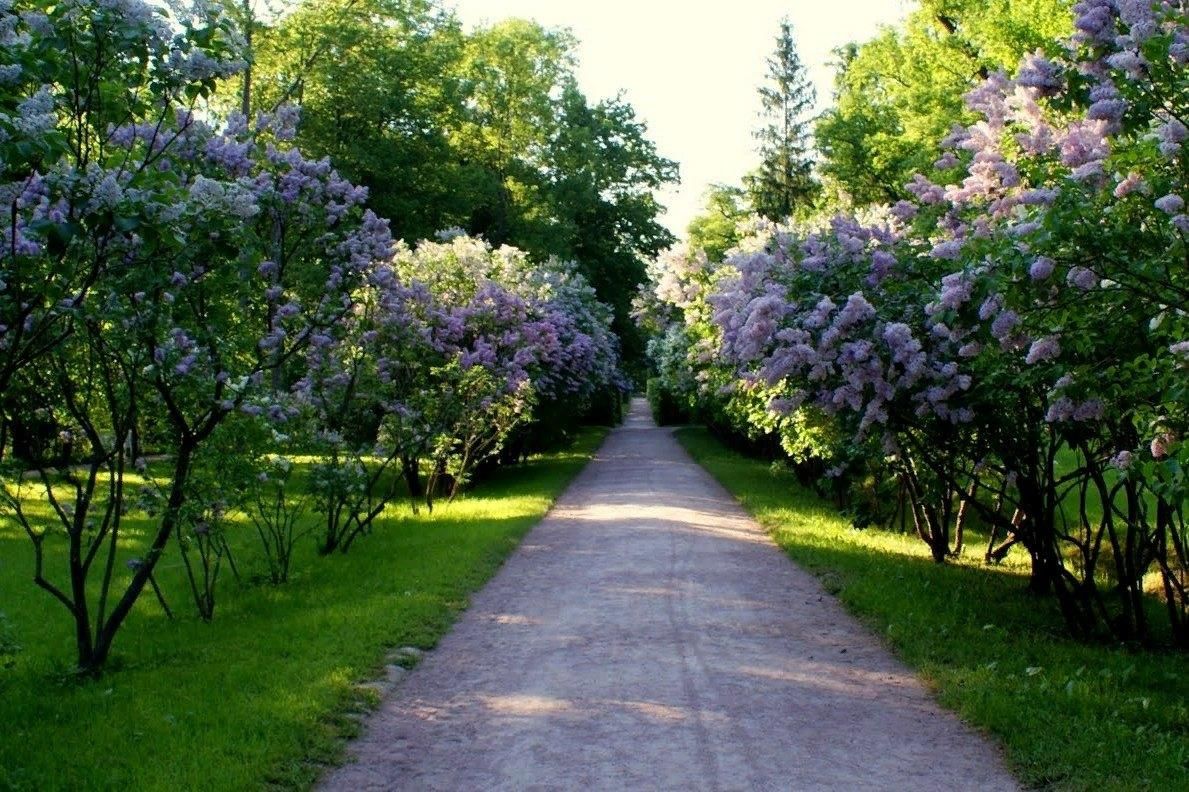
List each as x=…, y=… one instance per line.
x=784, y=179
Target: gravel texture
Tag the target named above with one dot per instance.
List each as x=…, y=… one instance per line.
x=649, y=635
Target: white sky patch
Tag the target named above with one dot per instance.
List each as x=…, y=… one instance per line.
x=691, y=71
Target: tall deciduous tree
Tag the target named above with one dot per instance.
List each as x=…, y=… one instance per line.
x=716, y=229
x=605, y=173
x=784, y=180
x=898, y=94
x=379, y=87
x=514, y=73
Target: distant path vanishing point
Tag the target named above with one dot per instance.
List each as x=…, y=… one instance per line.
x=649, y=635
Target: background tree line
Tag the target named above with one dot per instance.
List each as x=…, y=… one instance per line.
x=486, y=131
x=895, y=96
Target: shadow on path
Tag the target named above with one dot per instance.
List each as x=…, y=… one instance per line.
x=649, y=635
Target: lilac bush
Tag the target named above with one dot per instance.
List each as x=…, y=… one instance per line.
x=505, y=338
x=450, y=349
x=1008, y=342
x=168, y=279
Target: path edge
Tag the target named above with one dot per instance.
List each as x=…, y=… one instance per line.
x=929, y=684
x=366, y=697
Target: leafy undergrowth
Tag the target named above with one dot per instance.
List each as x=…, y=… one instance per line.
x=1070, y=716
x=259, y=697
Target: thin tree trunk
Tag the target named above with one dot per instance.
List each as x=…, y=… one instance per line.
x=94, y=660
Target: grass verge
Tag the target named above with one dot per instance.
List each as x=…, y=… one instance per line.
x=1070, y=716
x=260, y=697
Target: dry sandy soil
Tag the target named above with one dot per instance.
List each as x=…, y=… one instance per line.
x=649, y=635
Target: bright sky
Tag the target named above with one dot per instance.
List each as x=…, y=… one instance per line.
x=691, y=69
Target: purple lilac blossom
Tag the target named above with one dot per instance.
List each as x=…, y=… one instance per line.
x=1082, y=278
x=1170, y=204
x=1043, y=349
x=1041, y=269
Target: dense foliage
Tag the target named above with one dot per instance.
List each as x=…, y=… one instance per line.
x=483, y=130
x=181, y=288
x=1008, y=344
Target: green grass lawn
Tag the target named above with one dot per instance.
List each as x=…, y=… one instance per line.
x=260, y=696
x=1070, y=716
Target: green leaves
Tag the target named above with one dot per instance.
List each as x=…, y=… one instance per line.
x=57, y=235
x=897, y=95
x=783, y=184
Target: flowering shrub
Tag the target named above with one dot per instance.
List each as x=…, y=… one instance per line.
x=1013, y=340
x=157, y=272
x=276, y=515
x=199, y=289
x=508, y=342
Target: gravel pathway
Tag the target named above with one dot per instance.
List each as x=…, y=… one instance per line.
x=649, y=635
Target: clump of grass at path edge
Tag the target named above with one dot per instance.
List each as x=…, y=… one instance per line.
x=1070, y=716
x=259, y=697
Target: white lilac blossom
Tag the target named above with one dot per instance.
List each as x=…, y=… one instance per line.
x=1161, y=445
x=1132, y=183
x=1122, y=460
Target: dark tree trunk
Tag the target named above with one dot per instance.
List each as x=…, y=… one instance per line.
x=94, y=656
x=412, y=473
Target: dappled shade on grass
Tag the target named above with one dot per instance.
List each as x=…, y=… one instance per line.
x=259, y=695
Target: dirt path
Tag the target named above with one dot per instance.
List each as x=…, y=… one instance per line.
x=649, y=635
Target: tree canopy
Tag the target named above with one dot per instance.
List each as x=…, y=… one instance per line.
x=898, y=94
x=715, y=229
x=484, y=130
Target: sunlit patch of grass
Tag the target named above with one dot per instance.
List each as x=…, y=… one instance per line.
x=259, y=696
x=1070, y=716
